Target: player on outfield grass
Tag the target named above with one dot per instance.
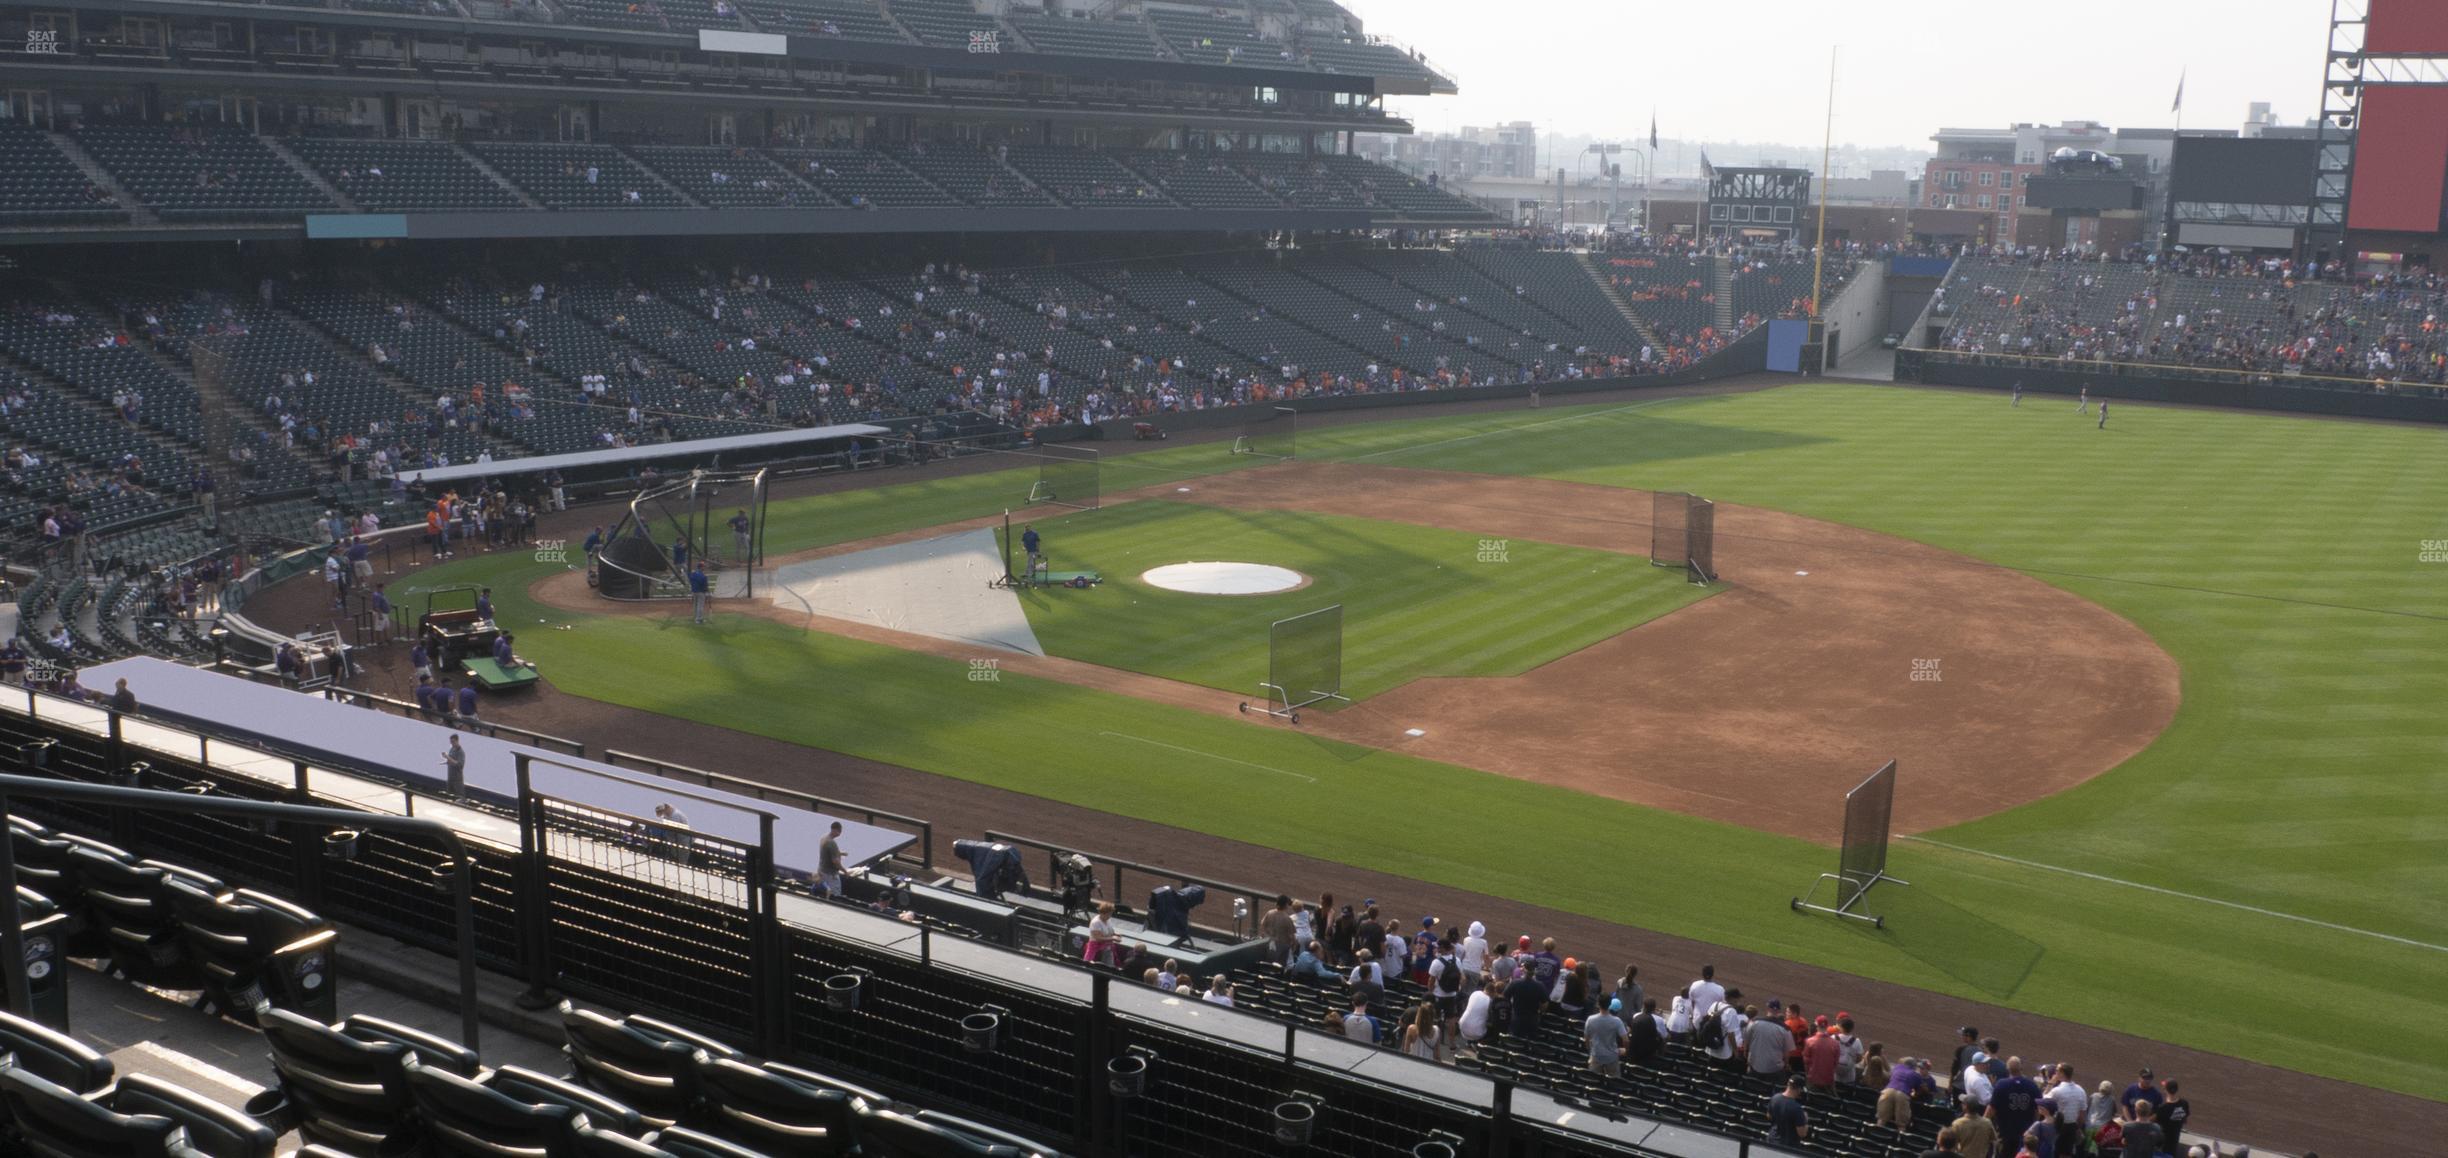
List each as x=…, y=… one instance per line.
x=2084, y=405
x=2103, y=422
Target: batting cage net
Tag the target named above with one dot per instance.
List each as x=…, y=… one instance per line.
x=1304, y=662
x=1669, y=519
x=1700, y=539
x=1869, y=809
x=1270, y=434
x=1067, y=476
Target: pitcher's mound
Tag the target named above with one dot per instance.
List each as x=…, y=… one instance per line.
x=1225, y=578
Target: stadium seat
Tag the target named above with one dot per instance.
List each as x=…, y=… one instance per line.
x=645, y=1063
x=251, y=947
x=53, y=1056
x=52, y=1121
x=892, y=1134
x=766, y=1110
x=213, y=1130
x=462, y=1117
x=347, y=1082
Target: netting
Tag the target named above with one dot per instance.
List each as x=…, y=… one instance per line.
x=1271, y=434
x=1669, y=524
x=1867, y=810
x=1700, y=535
x=1305, y=656
x=1067, y=476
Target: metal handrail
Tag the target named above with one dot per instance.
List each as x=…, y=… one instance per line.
x=12, y=928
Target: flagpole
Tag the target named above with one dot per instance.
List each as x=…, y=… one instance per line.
x=1827, y=150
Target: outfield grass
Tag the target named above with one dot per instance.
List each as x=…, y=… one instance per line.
x=2305, y=775
x=1417, y=601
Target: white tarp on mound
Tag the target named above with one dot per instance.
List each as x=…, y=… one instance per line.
x=934, y=587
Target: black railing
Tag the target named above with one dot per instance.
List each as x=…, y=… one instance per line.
x=759, y=790
x=1119, y=872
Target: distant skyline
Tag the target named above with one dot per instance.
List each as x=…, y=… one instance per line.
x=1905, y=68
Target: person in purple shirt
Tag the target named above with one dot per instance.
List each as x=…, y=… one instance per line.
x=2143, y=1089
x=484, y=604
x=467, y=704
x=420, y=661
x=501, y=652
x=2015, y=1101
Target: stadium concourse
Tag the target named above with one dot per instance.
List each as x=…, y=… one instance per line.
x=2333, y=1117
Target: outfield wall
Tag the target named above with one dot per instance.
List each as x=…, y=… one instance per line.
x=2145, y=385
x=1748, y=355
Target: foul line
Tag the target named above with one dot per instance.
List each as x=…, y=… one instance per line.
x=1209, y=755
x=2182, y=896
x=1510, y=429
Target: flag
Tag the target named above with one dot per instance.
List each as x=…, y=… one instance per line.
x=1653, y=130
x=2178, y=107
x=1708, y=172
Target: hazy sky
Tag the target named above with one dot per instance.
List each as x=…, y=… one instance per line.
x=1757, y=70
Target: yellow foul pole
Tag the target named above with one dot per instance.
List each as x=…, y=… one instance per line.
x=1827, y=149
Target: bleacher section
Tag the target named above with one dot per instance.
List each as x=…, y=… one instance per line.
x=1203, y=38
x=197, y=175
x=1088, y=179
x=865, y=178
x=201, y=174
x=1057, y=35
x=568, y=176
x=1198, y=180
x=45, y=188
x=728, y=178
x=951, y=24
x=974, y=176
x=425, y=176
x=841, y=19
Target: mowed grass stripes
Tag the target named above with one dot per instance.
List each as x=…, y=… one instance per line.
x=2278, y=559
x=1417, y=601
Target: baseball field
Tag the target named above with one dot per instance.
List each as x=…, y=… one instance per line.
x=2182, y=771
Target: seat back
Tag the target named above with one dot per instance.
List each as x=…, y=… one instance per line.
x=430, y=1049
x=53, y=1056
x=53, y=1121
x=891, y=1134
x=682, y=1142
x=602, y=1113
x=588, y=1142
x=767, y=1111
x=464, y=1117
x=650, y=1073
x=338, y=1082
x=213, y=1129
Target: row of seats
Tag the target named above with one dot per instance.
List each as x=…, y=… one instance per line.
x=44, y=187
x=164, y=925
x=196, y=174
x=62, y=1099
x=641, y=1088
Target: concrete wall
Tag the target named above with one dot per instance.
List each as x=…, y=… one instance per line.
x=1858, y=316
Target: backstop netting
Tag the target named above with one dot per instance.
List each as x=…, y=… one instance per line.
x=1304, y=661
x=1270, y=434
x=1067, y=476
x=1862, y=862
x=1669, y=525
x=1868, y=809
x=1700, y=539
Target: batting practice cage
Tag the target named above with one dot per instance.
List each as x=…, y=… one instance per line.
x=704, y=517
x=1304, y=663
x=1683, y=533
x=1067, y=476
x=1863, y=861
x=1270, y=434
